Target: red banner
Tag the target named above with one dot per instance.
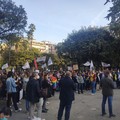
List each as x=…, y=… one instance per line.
x=35, y=63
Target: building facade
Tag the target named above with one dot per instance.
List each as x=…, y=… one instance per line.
x=44, y=46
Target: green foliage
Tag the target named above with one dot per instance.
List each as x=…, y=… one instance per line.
x=90, y=43
x=31, y=31
x=114, y=16
x=12, y=19
x=20, y=54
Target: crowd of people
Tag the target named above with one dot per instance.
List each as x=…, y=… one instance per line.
x=36, y=88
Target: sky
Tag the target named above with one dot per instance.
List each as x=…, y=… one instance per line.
x=55, y=19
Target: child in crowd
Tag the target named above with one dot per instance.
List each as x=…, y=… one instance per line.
x=5, y=113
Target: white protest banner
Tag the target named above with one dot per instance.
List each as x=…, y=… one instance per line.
x=91, y=65
x=87, y=63
x=41, y=59
x=26, y=66
x=5, y=66
x=13, y=70
x=44, y=66
x=50, y=62
x=105, y=64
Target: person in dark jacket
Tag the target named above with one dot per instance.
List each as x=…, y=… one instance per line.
x=74, y=78
x=66, y=97
x=45, y=86
x=107, y=91
x=33, y=95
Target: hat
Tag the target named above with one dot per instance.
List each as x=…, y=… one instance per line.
x=37, y=71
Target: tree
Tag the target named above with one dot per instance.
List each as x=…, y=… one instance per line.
x=90, y=43
x=114, y=16
x=19, y=58
x=13, y=19
x=31, y=31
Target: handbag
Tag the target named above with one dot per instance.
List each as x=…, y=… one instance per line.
x=43, y=92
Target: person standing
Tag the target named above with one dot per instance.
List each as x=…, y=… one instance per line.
x=93, y=82
x=80, y=81
x=45, y=86
x=107, y=92
x=66, y=97
x=118, y=82
x=33, y=95
x=54, y=83
x=11, y=91
x=74, y=78
x=25, y=81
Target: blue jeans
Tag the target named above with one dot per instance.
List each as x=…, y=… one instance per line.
x=93, y=87
x=80, y=87
x=27, y=105
x=110, y=98
x=67, y=107
x=76, y=84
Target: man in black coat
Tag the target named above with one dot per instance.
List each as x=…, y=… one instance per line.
x=66, y=97
x=33, y=95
